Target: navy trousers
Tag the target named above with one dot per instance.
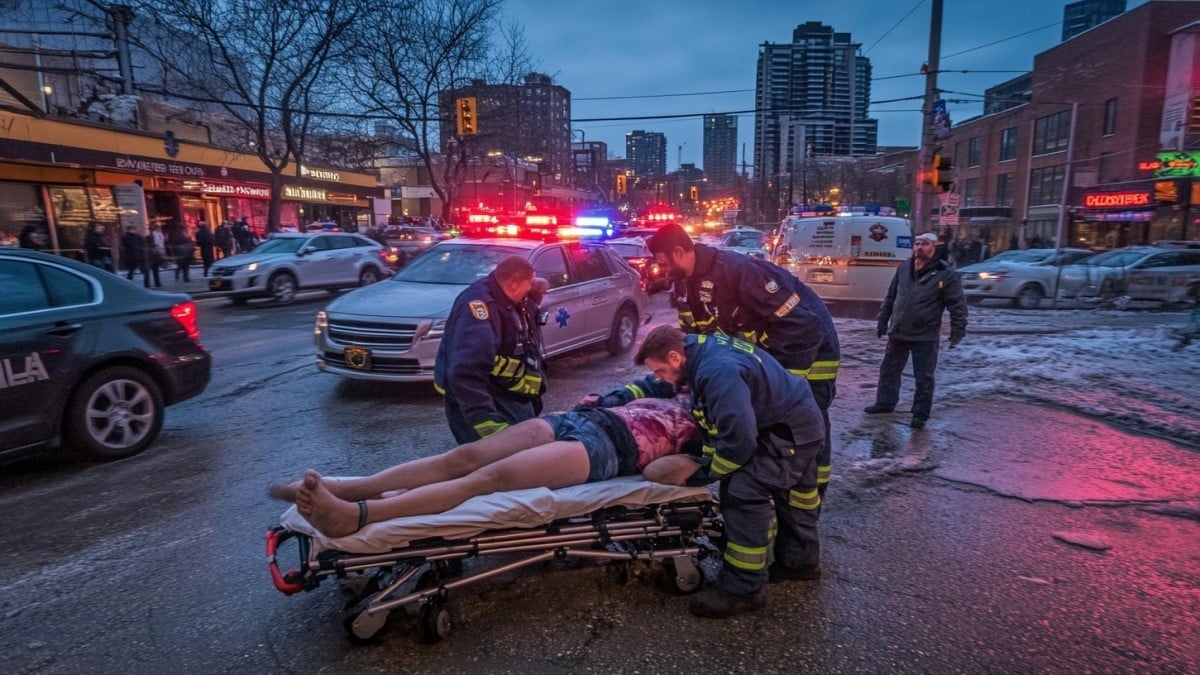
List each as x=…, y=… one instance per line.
x=924, y=358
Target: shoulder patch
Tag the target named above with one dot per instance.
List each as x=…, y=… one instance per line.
x=479, y=310
x=772, y=286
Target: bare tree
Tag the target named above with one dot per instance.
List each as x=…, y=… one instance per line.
x=266, y=64
x=434, y=47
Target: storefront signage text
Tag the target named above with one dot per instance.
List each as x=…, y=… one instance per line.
x=234, y=190
x=160, y=168
x=1174, y=165
x=304, y=193
x=320, y=174
x=1116, y=200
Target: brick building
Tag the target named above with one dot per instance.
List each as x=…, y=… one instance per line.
x=1011, y=167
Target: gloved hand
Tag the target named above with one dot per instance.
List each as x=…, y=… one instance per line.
x=956, y=337
x=881, y=330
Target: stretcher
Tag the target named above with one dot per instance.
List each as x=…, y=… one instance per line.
x=412, y=563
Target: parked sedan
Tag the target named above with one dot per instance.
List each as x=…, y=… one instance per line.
x=89, y=359
x=638, y=255
x=748, y=241
x=391, y=331
x=1138, y=272
x=1024, y=278
x=287, y=263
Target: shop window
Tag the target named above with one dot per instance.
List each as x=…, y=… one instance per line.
x=1008, y=144
x=1051, y=133
x=1110, y=117
x=21, y=205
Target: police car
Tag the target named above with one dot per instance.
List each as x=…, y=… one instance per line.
x=89, y=359
x=390, y=331
x=1168, y=272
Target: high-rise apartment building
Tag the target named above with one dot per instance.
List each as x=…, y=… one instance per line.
x=720, y=149
x=646, y=152
x=1086, y=14
x=812, y=96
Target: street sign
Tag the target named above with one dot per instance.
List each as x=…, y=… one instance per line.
x=948, y=211
x=131, y=202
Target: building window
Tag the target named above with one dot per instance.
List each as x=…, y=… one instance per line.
x=1050, y=133
x=1008, y=144
x=1045, y=185
x=974, y=151
x=1110, y=117
x=1004, y=189
x=971, y=192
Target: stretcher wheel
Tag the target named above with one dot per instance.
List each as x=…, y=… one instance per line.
x=435, y=621
x=363, y=628
x=683, y=574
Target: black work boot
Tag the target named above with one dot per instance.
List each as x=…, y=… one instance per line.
x=778, y=573
x=718, y=603
x=875, y=409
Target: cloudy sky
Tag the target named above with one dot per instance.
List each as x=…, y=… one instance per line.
x=605, y=49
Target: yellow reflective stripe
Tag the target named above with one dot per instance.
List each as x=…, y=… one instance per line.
x=751, y=558
x=823, y=370
x=529, y=384
x=808, y=500
x=504, y=366
x=788, y=305
x=799, y=372
x=439, y=389
x=686, y=319
x=823, y=472
x=635, y=390
x=722, y=466
x=704, y=323
x=489, y=427
x=707, y=450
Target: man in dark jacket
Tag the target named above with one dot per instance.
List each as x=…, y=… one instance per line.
x=924, y=287
x=760, y=302
x=204, y=241
x=96, y=247
x=489, y=364
x=764, y=434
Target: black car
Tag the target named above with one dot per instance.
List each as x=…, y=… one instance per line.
x=89, y=359
x=637, y=254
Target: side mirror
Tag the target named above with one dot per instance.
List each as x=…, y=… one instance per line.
x=305, y=251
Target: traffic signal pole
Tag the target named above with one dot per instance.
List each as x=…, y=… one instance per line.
x=920, y=214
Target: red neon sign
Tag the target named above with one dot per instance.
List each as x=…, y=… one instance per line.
x=1109, y=200
x=1150, y=166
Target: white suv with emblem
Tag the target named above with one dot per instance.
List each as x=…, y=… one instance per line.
x=291, y=262
x=391, y=331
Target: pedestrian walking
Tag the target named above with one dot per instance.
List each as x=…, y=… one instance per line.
x=204, y=242
x=183, y=248
x=96, y=247
x=153, y=256
x=489, y=364
x=133, y=254
x=223, y=238
x=243, y=236
x=760, y=302
x=764, y=434
x=924, y=288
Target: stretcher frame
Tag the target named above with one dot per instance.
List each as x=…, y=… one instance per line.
x=676, y=534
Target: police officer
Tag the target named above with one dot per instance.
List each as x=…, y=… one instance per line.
x=757, y=301
x=489, y=364
x=765, y=432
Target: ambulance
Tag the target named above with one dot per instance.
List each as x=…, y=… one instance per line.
x=846, y=255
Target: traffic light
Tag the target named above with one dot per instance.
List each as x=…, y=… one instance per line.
x=941, y=174
x=467, y=121
x=695, y=193
x=621, y=183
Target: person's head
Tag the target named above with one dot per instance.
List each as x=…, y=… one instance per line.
x=515, y=276
x=923, y=246
x=662, y=353
x=98, y=228
x=674, y=250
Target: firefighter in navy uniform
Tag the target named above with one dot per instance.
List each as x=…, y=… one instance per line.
x=764, y=434
x=759, y=302
x=489, y=364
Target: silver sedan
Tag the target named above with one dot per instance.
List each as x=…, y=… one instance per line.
x=1022, y=277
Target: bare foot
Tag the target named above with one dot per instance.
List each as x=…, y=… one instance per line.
x=284, y=491
x=331, y=516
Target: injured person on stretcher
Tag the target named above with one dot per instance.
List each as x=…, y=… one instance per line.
x=553, y=451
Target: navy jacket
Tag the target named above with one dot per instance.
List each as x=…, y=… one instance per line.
x=912, y=310
x=764, y=304
x=492, y=348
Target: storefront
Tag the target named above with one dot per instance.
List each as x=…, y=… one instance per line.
x=52, y=191
x=1135, y=213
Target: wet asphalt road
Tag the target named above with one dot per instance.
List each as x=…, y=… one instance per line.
x=939, y=546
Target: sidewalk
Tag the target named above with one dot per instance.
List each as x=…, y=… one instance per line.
x=196, y=286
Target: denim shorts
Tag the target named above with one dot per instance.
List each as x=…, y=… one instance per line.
x=601, y=451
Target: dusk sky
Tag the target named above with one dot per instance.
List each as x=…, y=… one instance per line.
x=601, y=49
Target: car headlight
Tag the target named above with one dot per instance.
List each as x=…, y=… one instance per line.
x=322, y=322
x=994, y=276
x=251, y=267
x=437, y=331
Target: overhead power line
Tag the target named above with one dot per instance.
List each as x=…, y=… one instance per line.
x=996, y=42
x=894, y=26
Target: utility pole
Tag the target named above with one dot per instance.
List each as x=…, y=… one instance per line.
x=925, y=154
x=1060, y=236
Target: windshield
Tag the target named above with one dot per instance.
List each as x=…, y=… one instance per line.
x=1027, y=256
x=455, y=264
x=751, y=239
x=629, y=250
x=1114, y=259
x=281, y=245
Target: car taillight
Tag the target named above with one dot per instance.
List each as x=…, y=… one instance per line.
x=185, y=314
x=638, y=262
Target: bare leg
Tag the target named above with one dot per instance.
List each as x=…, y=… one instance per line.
x=453, y=463
x=553, y=465
x=670, y=470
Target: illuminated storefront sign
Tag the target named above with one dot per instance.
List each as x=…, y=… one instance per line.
x=320, y=174
x=1117, y=200
x=1174, y=165
x=236, y=190
x=306, y=194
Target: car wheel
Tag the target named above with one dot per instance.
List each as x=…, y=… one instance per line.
x=368, y=276
x=115, y=413
x=1029, y=297
x=624, y=332
x=283, y=288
